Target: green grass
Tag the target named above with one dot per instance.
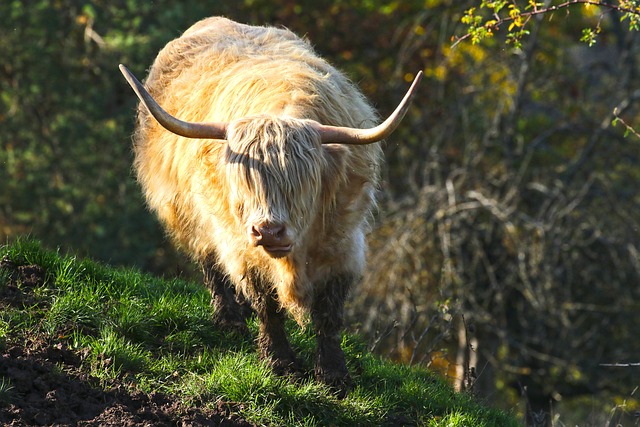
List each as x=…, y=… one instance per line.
x=157, y=336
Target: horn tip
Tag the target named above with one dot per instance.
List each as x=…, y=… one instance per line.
x=419, y=76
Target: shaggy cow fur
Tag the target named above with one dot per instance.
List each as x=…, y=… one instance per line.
x=213, y=196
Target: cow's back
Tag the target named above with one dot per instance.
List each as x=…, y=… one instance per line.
x=252, y=70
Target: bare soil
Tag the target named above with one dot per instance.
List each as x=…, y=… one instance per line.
x=49, y=388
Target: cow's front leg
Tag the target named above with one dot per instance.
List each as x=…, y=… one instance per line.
x=328, y=318
x=273, y=345
x=229, y=313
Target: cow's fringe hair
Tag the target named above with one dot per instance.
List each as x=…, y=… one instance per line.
x=279, y=162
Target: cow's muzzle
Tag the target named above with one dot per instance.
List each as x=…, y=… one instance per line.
x=273, y=238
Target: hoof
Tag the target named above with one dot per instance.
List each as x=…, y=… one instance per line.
x=339, y=382
x=289, y=368
x=278, y=354
x=331, y=368
x=283, y=363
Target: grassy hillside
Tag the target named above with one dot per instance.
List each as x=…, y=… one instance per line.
x=83, y=343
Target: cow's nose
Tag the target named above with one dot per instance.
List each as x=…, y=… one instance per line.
x=268, y=233
x=272, y=236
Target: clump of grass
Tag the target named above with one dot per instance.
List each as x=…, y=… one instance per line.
x=6, y=391
x=112, y=354
x=158, y=336
x=4, y=331
x=74, y=309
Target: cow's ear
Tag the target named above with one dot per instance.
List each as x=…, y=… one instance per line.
x=336, y=155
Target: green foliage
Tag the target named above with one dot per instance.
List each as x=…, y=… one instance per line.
x=630, y=10
x=486, y=18
x=216, y=367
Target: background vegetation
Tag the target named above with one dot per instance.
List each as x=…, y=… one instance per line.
x=506, y=252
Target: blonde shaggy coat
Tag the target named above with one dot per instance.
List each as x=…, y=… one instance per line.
x=258, y=79
x=267, y=84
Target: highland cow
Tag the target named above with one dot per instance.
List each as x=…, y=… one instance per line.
x=263, y=166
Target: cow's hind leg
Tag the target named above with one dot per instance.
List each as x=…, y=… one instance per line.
x=327, y=314
x=230, y=313
x=273, y=344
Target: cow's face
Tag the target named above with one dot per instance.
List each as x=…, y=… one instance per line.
x=275, y=169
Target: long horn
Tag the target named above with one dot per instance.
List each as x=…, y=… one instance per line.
x=187, y=129
x=345, y=135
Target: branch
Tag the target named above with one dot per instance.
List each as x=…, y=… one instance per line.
x=620, y=365
x=519, y=19
x=628, y=128
x=567, y=4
